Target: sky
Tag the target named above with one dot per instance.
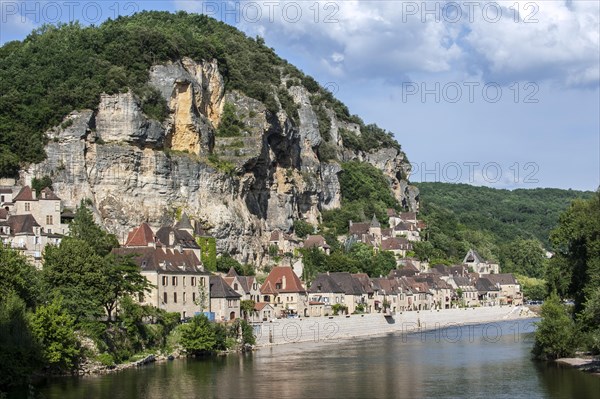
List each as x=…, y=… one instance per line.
x=504, y=94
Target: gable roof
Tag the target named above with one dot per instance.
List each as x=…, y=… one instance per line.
x=180, y=237
x=232, y=272
x=48, y=194
x=408, y=216
x=365, y=281
x=484, y=284
x=26, y=194
x=258, y=306
x=220, y=289
x=473, y=257
x=358, y=228
x=349, y=284
x=277, y=275
x=323, y=283
x=396, y=244
x=141, y=236
x=501, y=278
x=22, y=224
x=375, y=222
x=315, y=241
x=184, y=223
x=163, y=260
x=391, y=212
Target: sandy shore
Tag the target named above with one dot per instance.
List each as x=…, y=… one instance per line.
x=322, y=329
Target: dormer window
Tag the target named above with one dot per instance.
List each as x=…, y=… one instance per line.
x=235, y=286
x=278, y=286
x=27, y=207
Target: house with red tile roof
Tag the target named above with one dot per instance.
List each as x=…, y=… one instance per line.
x=263, y=311
x=246, y=286
x=317, y=241
x=284, y=290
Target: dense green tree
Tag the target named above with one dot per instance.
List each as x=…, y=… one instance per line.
x=54, y=330
x=576, y=240
x=554, y=337
x=524, y=257
x=120, y=278
x=74, y=271
x=19, y=276
x=230, y=125
x=198, y=336
x=247, y=307
x=83, y=227
x=302, y=228
x=19, y=351
x=40, y=184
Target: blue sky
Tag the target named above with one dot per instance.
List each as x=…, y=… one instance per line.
x=504, y=94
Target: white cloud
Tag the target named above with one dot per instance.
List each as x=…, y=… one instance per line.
x=391, y=40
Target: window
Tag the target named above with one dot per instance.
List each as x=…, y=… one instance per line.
x=183, y=280
x=49, y=219
x=202, y=282
x=57, y=207
x=184, y=297
x=174, y=280
x=1, y=198
x=193, y=282
x=235, y=286
x=165, y=297
x=141, y=297
x=193, y=297
x=183, y=314
x=165, y=281
x=174, y=297
x=278, y=286
x=27, y=207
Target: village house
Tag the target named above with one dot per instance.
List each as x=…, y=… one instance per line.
x=388, y=295
x=224, y=301
x=28, y=223
x=317, y=241
x=476, y=263
x=285, y=243
x=325, y=291
x=246, y=286
x=488, y=293
x=398, y=245
x=180, y=282
x=284, y=291
x=263, y=311
x=467, y=294
x=367, y=287
x=510, y=289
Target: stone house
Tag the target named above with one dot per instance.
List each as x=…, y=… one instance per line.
x=263, y=311
x=474, y=261
x=510, y=289
x=224, y=301
x=317, y=241
x=179, y=281
x=470, y=295
x=398, y=245
x=246, y=286
x=284, y=291
x=488, y=293
x=325, y=291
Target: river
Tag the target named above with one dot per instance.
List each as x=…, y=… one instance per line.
x=484, y=361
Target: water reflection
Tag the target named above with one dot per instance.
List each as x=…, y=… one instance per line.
x=433, y=365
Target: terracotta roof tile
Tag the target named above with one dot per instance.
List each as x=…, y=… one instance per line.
x=276, y=279
x=48, y=194
x=140, y=237
x=22, y=224
x=26, y=194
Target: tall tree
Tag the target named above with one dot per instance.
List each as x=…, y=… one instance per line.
x=120, y=277
x=19, y=276
x=576, y=264
x=83, y=227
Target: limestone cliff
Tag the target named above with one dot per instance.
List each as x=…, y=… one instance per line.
x=137, y=169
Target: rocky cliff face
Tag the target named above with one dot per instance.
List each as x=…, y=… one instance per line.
x=136, y=169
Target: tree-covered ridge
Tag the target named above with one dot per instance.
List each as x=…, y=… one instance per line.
x=521, y=213
x=58, y=69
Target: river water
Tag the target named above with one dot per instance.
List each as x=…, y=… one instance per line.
x=483, y=361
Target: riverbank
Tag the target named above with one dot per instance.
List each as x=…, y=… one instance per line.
x=586, y=364
x=333, y=328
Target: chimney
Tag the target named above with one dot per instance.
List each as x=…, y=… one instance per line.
x=283, y=282
x=171, y=238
